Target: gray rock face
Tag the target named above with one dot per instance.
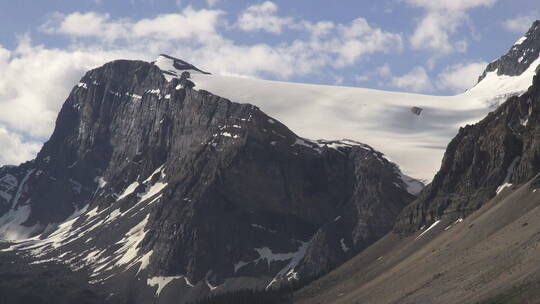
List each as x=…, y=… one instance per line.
x=520, y=56
x=181, y=188
x=416, y=110
x=502, y=149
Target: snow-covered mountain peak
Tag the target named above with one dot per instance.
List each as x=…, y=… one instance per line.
x=521, y=56
x=174, y=67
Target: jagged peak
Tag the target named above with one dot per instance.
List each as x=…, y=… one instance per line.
x=523, y=53
x=173, y=67
x=531, y=34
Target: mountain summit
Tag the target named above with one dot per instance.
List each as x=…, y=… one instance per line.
x=148, y=184
x=523, y=54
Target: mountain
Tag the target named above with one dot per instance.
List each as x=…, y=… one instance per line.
x=486, y=156
x=151, y=190
x=471, y=235
x=156, y=187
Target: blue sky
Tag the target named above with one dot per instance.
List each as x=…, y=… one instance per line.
x=424, y=46
x=480, y=26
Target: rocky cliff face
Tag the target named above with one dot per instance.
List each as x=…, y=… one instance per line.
x=173, y=193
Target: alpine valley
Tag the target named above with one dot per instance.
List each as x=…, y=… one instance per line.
x=163, y=183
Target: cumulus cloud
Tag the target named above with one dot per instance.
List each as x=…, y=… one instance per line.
x=460, y=77
x=417, y=80
x=454, y=78
x=384, y=70
x=441, y=20
x=520, y=24
x=455, y=5
x=263, y=17
x=81, y=24
x=188, y=24
x=212, y=3
x=345, y=42
x=197, y=35
x=361, y=78
x=14, y=149
x=359, y=38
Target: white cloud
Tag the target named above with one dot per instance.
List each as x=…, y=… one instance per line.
x=90, y=24
x=34, y=83
x=319, y=29
x=384, y=70
x=347, y=43
x=440, y=22
x=338, y=79
x=361, y=78
x=460, y=77
x=455, y=78
x=188, y=24
x=195, y=35
x=432, y=32
x=359, y=39
x=520, y=24
x=14, y=149
x=416, y=80
x=212, y=3
x=454, y=5
x=262, y=17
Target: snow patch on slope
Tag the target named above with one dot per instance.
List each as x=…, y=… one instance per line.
x=429, y=228
x=160, y=282
x=11, y=224
x=520, y=40
x=504, y=85
x=128, y=190
x=343, y=245
x=506, y=183
x=287, y=271
x=130, y=243
x=21, y=189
